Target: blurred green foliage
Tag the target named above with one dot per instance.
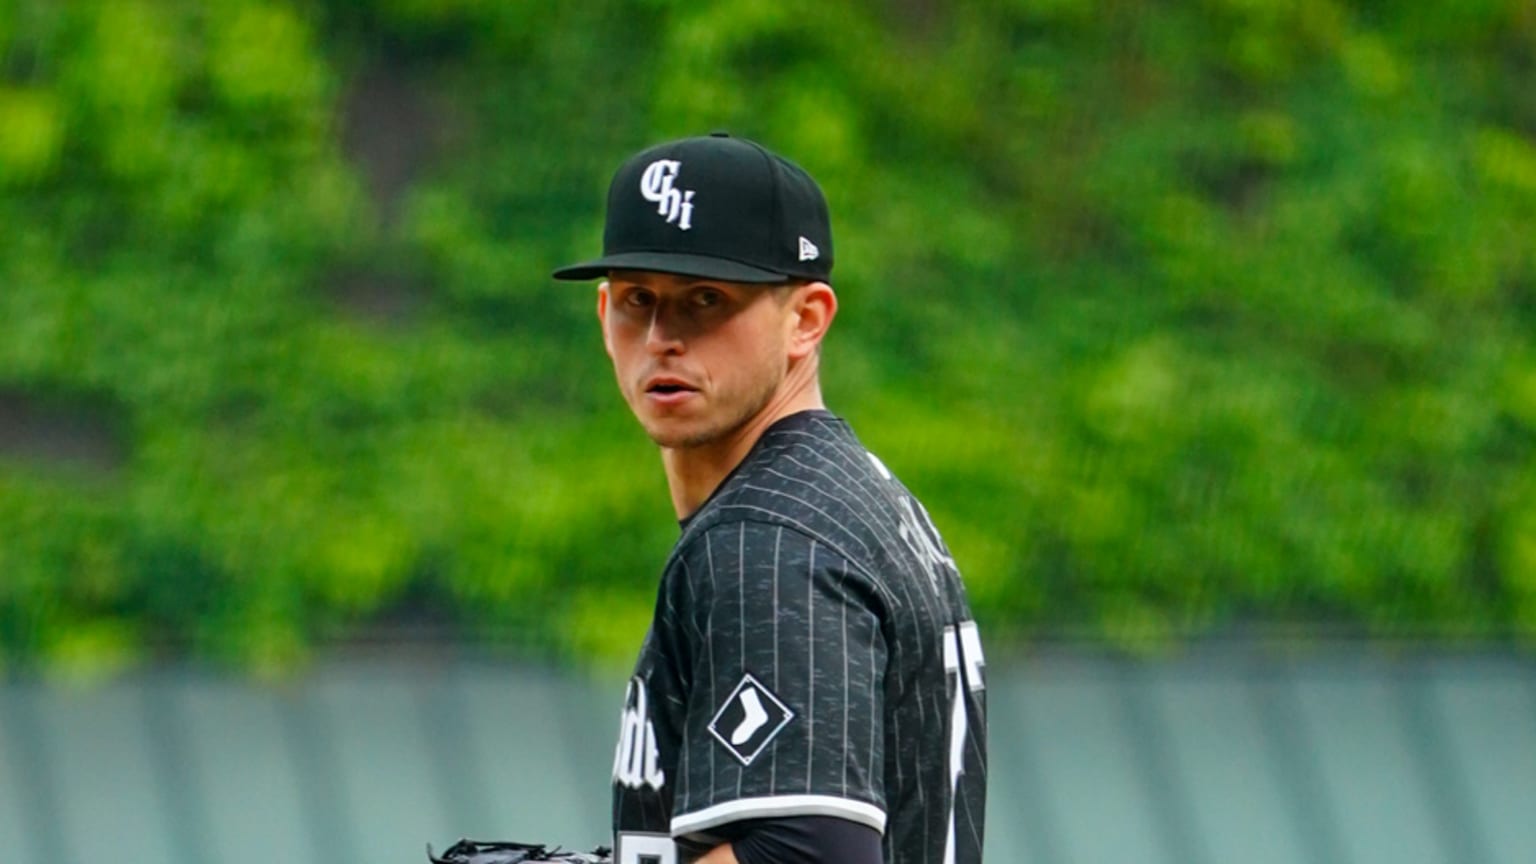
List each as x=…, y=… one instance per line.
x=1181, y=318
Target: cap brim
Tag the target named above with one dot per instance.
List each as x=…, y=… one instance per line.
x=681, y=264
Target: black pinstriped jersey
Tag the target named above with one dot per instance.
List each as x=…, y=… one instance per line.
x=812, y=653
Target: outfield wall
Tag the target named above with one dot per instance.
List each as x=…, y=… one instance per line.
x=1343, y=756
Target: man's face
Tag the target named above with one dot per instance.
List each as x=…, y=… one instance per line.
x=695, y=359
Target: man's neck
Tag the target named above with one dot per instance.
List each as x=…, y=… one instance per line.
x=693, y=473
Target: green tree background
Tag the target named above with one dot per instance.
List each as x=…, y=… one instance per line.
x=1183, y=318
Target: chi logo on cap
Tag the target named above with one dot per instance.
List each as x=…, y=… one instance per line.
x=656, y=185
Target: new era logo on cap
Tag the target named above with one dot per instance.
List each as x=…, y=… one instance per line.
x=714, y=207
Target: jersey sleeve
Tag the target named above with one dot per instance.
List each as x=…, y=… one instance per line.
x=787, y=665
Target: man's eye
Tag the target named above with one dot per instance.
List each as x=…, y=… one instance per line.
x=638, y=299
x=707, y=297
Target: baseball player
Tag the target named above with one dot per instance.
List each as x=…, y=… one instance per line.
x=811, y=688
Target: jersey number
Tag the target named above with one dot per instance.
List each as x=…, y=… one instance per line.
x=962, y=656
x=645, y=849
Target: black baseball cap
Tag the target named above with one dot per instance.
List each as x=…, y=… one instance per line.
x=715, y=207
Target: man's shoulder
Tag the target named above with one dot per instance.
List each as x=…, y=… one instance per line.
x=802, y=464
x=808, y=474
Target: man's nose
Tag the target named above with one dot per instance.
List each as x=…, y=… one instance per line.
x=665, y=333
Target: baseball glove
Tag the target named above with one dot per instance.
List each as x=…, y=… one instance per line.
x=477, y=852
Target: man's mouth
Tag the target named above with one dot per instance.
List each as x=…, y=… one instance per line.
x=669, y=389
x=667, y=384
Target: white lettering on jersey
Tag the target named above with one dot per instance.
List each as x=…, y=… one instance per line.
x=635, y=759
x=917, y=531
x=656, y=185
x=962, y=657
x=923, y=539
x=636, y=848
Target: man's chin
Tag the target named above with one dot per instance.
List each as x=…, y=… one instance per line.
x=681, y=438
x=695, y=431
x=680, y=434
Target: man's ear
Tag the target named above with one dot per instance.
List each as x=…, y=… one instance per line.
x=602, y=315
x=814, y=307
